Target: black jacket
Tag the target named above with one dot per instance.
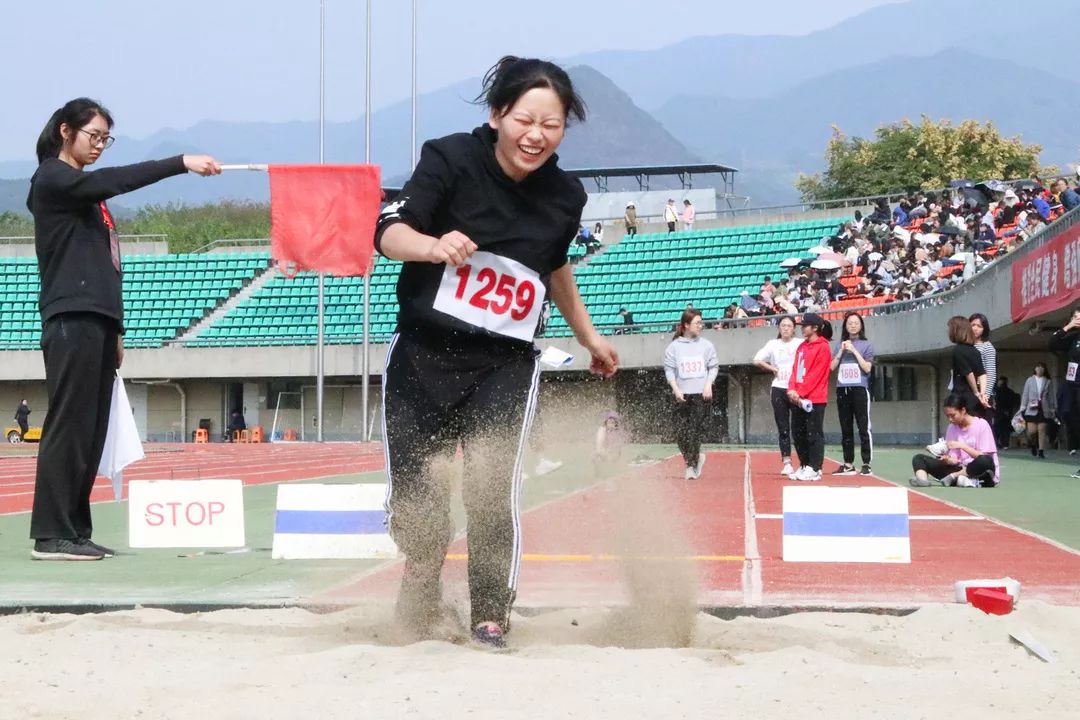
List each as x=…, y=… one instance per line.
x=459, y=185
x=1068, y=343
x=71, y=236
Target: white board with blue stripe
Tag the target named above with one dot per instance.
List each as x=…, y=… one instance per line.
x=318, y=521
x=846, y=524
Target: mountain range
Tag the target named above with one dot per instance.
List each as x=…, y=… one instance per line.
x=763, y=104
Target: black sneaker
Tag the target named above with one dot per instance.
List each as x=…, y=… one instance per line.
x=845, y=470
x=866, y=469
x=64, y=549
x=106, y=552
x=490, y=635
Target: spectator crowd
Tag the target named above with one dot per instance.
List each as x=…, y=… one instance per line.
x=926, y=244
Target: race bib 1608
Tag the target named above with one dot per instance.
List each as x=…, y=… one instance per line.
x=494, y=293
x=850, y=374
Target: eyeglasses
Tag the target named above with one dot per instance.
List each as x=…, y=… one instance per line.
x=105, y=141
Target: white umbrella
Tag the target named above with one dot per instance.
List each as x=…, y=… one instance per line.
x=961, y=256
x=818, y=249
x=875, y=256
x=825, y=265
x=790, y=262
x=929, y=238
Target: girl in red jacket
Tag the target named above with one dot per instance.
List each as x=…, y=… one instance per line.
x=808, y=388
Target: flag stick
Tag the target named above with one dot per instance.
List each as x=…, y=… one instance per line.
x=320, y=350
x=253, y=166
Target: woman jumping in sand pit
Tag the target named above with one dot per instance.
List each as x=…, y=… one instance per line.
x=82, y=314
x=483, y=227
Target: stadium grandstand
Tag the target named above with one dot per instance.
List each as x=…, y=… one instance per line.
x=216, y=330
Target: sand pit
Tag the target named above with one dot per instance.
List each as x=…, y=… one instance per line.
x=941, y=662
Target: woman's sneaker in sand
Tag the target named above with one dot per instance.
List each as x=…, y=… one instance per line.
x=64, y=549
x=489, y=634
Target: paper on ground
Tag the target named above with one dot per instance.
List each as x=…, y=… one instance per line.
x=122, y=443
x=555, y=357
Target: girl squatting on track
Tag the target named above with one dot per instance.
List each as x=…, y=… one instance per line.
x=691, y=365
x=483, y=227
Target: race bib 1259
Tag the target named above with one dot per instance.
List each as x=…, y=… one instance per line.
x=494, y=293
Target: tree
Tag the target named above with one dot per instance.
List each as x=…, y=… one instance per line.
x=905, y=156
x=189, y=228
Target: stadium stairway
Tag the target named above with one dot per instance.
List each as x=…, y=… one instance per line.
x=260, y=279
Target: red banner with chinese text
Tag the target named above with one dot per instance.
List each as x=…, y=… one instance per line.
x=1048, y=278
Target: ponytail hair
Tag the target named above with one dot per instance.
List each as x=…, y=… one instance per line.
x=75, y=114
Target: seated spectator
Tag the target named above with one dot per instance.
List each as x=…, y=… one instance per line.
x=749, y=304
x=1066, y=195
x=767, y=286
x=987, y=238
x=1034, y=224
x=966, y=458
x=236, y=424
x=608, y=445
x=1041, y=206
x=900, y=212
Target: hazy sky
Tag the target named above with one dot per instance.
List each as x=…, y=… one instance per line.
x=172, y=64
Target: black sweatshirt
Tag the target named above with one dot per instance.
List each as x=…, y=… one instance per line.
x=71, y=235
x=522, y=230
x=1068, y=343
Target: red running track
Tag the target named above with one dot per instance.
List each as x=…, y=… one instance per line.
x=566, y=541
x=254, y=464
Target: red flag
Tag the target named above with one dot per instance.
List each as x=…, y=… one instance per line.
x=322, y=217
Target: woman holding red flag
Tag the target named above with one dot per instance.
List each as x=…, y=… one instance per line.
x=82, y=313
x=483, y=227
x=808, y=389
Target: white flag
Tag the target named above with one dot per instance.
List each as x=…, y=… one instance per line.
x=122, y=443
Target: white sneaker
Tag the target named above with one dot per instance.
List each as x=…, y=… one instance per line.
x=689, y=474
x=800, y=474
x=700, y=464
x=787, y=470
x=965, y=481
x=811, y=475
x=544, y=466
x=938, y=449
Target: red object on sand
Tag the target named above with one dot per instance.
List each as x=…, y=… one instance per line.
x=991, y=601
x=322, y=217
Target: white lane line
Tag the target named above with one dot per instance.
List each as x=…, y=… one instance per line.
x=752, y=594
x=769, y=516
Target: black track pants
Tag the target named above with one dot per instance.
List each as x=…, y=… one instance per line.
x=80, y=365
x=431, y=402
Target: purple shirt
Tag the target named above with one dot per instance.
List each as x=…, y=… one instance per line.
x=848, y=372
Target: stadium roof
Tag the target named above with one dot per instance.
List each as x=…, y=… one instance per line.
x=635, y=170
x=684, y=172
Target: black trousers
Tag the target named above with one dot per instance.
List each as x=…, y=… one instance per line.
x=432, y=401
x=80, y=365
x=23, y=427
x=1072, y=418
x=690, y=417
x=671, y=227
x=853, y=406
x=980, y=469
x=809, y=436
x=782, y=410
